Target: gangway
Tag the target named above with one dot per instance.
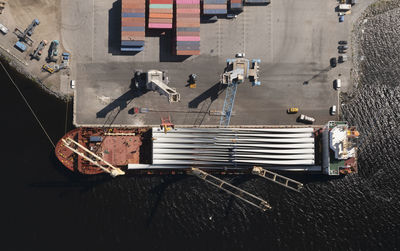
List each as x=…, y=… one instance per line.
x=228, y=104
x=93, y=158
x=233, y=190
x=278, y=179
x=237, y=70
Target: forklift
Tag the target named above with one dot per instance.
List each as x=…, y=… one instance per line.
x=192, y=80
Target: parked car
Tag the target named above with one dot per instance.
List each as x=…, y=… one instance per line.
x=231, y=16
x=306, y=119
x=292, y=110
x=72, y=84
x=342, y=42
x=338, y=84
x=333, y=110
x=341, y=19
x=343, y=47
x=333, y=62
x=342, y=51
x=3, y=29
x=342, y=58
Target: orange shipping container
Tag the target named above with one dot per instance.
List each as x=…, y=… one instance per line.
x=160, y=15
x=138, y=5
x=128, y=10
x=164, y=11
x=188, y=53
x=214, y=6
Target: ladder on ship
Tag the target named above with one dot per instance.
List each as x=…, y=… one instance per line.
x=93, y=158
x=231, y=189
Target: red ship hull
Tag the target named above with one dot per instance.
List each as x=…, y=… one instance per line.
x=117, y=146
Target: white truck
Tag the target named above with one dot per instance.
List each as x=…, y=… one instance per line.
x=306, y=119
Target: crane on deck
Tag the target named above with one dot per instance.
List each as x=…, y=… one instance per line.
x=237, y=70
x=92, y=157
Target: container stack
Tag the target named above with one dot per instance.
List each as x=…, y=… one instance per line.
x=257, y=1
x=187, y=27
x=133, y=25
x=236, y=4
x=160, y=14
x=214, y=7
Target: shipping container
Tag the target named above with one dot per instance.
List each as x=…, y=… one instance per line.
x=133, y=13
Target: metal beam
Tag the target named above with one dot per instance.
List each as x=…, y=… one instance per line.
x=231, y=189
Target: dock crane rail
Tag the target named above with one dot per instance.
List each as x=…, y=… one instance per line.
x=231, y=189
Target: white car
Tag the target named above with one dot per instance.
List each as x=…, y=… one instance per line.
x=240, y=55
x=333, y=110
x=72, y=84
x=338, y=84
x=3, y=29
x=231, y=16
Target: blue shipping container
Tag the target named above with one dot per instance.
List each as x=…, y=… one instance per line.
x=125, y=14
x=215, y=1
x=132, y=43
x=132, y=28
x=215, y=11
x=96, y=139
x=189, y=29
x=141, y=48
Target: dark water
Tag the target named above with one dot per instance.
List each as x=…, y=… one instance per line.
x=45, y=207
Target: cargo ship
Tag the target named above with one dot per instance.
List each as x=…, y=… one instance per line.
x=330, y=149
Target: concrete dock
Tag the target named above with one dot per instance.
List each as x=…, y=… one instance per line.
x=293, y=39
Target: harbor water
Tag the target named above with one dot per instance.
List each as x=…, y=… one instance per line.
x=45, y=207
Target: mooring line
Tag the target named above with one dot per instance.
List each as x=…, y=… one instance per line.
x=27, y=103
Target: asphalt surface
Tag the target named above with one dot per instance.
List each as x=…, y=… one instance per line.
x=294, y=40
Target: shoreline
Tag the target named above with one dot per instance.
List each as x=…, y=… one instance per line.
x=16, y=66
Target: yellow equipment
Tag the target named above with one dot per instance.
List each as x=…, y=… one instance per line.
x=293, y=110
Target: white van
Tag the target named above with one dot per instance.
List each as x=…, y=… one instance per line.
x=338, y=84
